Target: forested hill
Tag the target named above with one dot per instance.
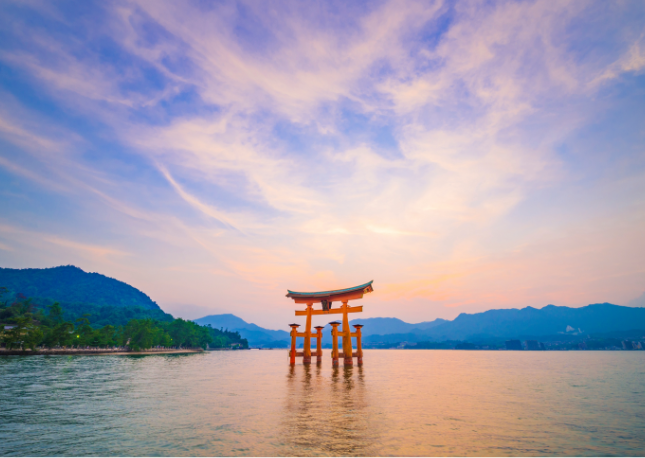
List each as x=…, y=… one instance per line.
x=69, y=284
x=65, y=306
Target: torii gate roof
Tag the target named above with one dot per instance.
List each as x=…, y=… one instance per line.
x=332, y=295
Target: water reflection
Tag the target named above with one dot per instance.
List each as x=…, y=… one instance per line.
x=326, y=413
x=402, y=403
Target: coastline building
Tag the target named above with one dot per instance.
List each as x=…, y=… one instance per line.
x=533, y=345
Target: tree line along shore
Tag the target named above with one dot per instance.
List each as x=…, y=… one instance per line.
x=25, y=327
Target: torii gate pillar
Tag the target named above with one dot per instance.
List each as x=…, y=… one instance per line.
x=306, y=353
x=359, y=344
x=319, y=344
x=347, y=337
x=292, y=353
x=334, y=344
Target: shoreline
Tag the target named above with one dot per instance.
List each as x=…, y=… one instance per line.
x=98, y=352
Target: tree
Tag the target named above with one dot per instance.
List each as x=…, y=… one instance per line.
x=3, y=291
x=221, y=338
x=143, y=334
x=51, y=331
x=105, y=337
x=32, y=338
x=60, y=335
x=140, y=334
x=14, y=337
x=55, y=314
x=84, y=332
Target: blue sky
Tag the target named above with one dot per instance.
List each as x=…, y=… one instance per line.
x=463, y=155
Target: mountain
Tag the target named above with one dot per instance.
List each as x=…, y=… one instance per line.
x=393, y=325
x=524, y=323
x=497, y=325
x=257, y=336
x=71, y=284
x=549, y=320
x=110, y=301
x=104, y=299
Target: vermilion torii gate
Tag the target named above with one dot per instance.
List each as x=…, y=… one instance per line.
x=326, y=298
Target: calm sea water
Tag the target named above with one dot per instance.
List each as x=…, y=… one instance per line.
x=253, y=403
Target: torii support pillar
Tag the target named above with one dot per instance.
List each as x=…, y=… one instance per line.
x=347, y=337
x=292, y=353
x=359, y=344
x=334, y=343
x=319, y=343
x=306, y=351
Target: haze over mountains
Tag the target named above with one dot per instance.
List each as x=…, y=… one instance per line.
x=111, y=300
x=256, y=335
x=523, y=323
x=500, y=324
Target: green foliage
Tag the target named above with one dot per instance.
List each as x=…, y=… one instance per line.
x=102, y=315
x=32, y=328
x=10, y=313
x=60, y=335
x=71, y=285
x=14, y=337
x=142, y=334
x=32, y=337
x=83, y=333
x=221, y=338
x=55, y=314
x=4, y=293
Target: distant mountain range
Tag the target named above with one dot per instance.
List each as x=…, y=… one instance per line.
x=110, y=301
x=394, y=326
x=257, y=336
x=262, y=337
x=521, y=324
x=496, y=325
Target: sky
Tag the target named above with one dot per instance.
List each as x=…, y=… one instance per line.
x=465, y=156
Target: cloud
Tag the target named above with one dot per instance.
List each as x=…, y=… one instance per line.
x=29, y=237
x=92, y=250
x=193, y=201
x=401, y=138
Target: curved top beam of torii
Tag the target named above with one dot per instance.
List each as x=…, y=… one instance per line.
x=355, y=292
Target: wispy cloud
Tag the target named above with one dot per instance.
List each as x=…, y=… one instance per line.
x=420, y=144
x=193, y=201
x=37, y=238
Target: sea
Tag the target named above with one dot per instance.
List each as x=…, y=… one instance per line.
x=253, y=403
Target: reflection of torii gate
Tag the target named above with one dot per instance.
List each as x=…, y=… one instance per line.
x=326, y=298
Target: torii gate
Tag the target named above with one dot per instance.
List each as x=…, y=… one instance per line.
x=326, y=298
